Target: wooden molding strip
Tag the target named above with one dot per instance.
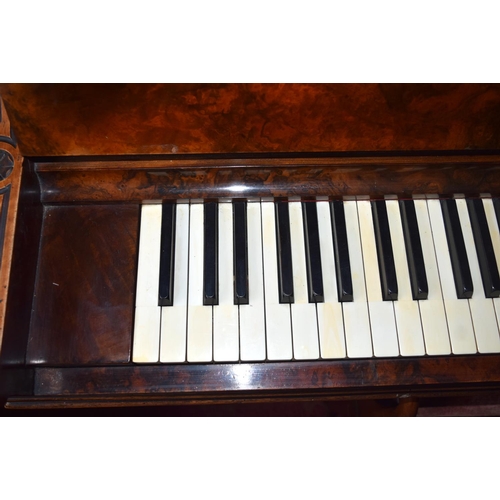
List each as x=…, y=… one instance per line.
x=10, y=183
x=336, y=377
x=141, y=180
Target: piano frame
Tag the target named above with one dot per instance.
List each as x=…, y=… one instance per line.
x=73, y=236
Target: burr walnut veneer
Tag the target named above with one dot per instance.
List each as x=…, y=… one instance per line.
x=85, y=159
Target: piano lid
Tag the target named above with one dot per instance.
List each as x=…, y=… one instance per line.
x=118, y=119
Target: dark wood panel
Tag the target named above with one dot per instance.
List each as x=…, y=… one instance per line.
x=17, y=380
x=90, y=119
x=265, y=381
x=136, y=180
x=85, y=288
x=305, y=408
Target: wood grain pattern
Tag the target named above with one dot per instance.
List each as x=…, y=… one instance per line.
x=71, y=311
x=139, y=180
x=24, y=262
x=85, y=288
x=9, y=187
x=90, y=119
x=265, y=381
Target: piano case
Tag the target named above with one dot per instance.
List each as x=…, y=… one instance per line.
x=86, y=158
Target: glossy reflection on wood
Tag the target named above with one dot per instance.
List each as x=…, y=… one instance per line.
x=250, y=381
x=85, y=288
x=10, y=184
x=90, y=119
x=137, y=180
x=71, y=310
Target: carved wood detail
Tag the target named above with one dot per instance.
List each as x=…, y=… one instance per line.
x=10, y=182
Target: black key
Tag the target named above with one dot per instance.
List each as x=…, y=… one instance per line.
x=313, y=253
x=456, y=246
x=496, y=204
x=387, y=268
x=484, y=248
x=341, y=251
x=167, y=255
x=240, y=244
x=414, y=254
x=285, y=273
x=210, y=255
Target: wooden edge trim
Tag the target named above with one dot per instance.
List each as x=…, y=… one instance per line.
x=351, y=161
x=344, y=376
x=33, y=403
x=139, y=184
x=10, y=187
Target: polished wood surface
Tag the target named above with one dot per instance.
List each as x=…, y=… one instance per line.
x=85, y=289
x=10, y=181
x=81, y=327
x=73, y=119
x=24, y=268
x=139, y=180
x=160, y=385
x=69, y=316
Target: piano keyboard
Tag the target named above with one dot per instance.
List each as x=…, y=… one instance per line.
x=288, y=279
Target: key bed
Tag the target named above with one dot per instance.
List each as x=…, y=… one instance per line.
x=296, y=261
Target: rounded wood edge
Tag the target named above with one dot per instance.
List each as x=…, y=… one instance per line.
x=9, y=198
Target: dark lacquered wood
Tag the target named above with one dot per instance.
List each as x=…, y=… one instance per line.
x=58, y=340
x=249, y=381
x=213, y=141
x=16, y=379
x=72, y=119
x=136, y=180
x=85, y=288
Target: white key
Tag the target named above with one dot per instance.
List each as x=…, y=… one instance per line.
x=330, y=315
x=173, y=318
x=278, y=324
x=432, y=313
x=252, y=318
x=411, y=339
x=226, y=335
x=147, y=311
x=382, y=319
x=495, y=239
x=304, y=320
x=482, y=309
x=356, y=319
x=460, y=327
x=199, y=341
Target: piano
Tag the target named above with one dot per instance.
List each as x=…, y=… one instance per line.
x=195, y=267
